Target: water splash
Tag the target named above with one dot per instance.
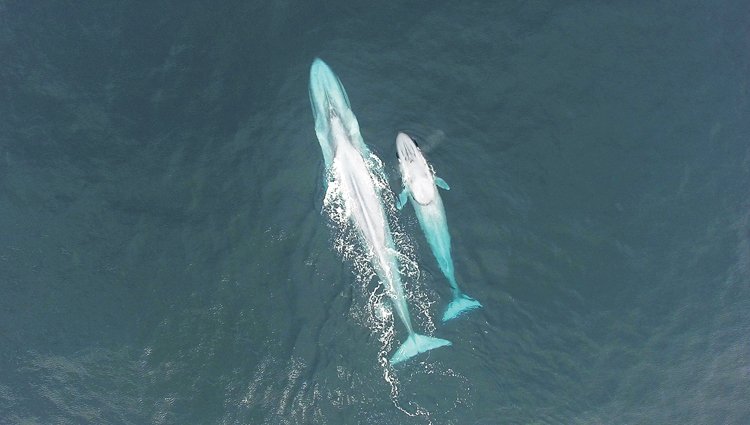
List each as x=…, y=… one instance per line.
x=378, y=316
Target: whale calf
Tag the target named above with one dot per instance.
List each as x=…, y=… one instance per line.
x=350, y=168
x=420, y=185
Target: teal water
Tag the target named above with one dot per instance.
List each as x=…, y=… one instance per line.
x=164, y=256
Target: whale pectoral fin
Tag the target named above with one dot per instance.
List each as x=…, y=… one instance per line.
x=402, y=198
x=441, y=183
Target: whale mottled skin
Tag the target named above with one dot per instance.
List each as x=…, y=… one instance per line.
x=350, y=172
x=420, y=185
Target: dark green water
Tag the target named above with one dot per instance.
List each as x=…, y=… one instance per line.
x=164, y=258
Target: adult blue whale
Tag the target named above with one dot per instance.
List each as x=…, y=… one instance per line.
x=350, y=168
x=420, y=183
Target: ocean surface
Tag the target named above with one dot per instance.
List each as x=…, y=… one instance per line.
x=165, y=257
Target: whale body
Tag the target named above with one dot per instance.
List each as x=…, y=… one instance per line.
x=420, y=185
x=350, y=167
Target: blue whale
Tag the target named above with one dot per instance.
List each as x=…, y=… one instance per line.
x=350, y=169
x=420, y=185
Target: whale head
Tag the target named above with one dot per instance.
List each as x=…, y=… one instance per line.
x=327, y=94
x=415, y=172
x=334, y=120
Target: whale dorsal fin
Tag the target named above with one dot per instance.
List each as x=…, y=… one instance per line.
x=402, y=198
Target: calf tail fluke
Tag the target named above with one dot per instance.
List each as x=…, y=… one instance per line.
x=461, y=304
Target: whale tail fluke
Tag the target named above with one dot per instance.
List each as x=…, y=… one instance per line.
x=416, y=344
x=461, y=304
